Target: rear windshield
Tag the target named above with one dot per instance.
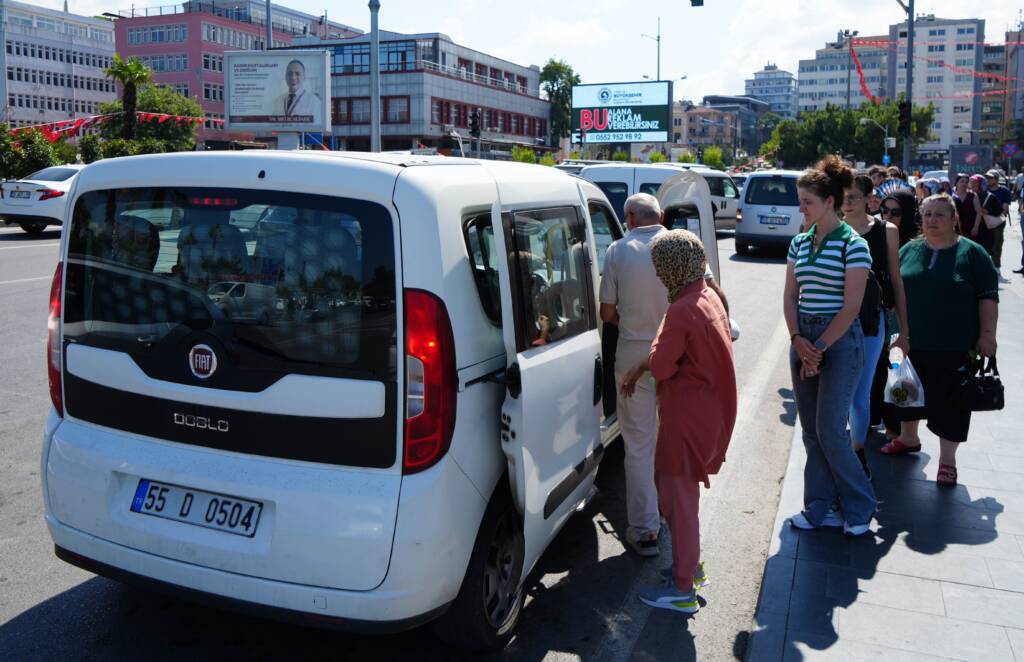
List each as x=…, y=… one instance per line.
x=778, y=191
x=56, y=174
x=289, y=282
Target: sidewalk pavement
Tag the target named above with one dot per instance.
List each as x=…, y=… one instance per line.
x=942, y=578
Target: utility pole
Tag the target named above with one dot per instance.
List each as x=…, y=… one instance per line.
x=374, y=77
x=909, y=8
x=270, y=30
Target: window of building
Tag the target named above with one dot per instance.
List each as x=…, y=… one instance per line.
x=965, y=47
x=396, y=110
x=360, y=113
x=936, y=48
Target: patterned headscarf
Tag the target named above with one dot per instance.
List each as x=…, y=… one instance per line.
x=679, y=260
x=981, y=182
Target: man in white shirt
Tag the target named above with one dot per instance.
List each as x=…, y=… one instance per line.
x=634, y=298
x=299, y=102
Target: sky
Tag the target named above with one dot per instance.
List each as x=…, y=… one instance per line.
x=716, y=47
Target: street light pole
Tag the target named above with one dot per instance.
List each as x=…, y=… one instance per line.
x=270, y=30
x=849, y=62
x=657, y=40
x=374, y=6
x=909, y=8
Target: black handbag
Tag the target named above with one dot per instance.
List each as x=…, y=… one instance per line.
x=980, y=387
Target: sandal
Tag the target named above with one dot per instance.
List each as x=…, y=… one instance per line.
x=946, y=475
x=897, y=447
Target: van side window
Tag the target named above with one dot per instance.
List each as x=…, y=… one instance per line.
x=606, y=230
x=716, y=185
x=730, y=189
x=551, y=271
x=617, y=193
x=479, y=235
x=650, y=187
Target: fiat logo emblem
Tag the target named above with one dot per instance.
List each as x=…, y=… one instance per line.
x=773, y=209
x=202, y=361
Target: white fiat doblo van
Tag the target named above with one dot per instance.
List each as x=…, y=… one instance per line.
x=396, y=442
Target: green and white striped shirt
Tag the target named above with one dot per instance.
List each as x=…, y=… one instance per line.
x=822, y=275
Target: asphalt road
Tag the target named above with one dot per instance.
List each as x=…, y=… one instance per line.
x=581, y=600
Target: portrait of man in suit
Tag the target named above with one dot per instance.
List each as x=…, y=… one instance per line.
x=298, y=101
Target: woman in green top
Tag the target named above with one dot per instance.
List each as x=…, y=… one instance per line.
x=953, y=305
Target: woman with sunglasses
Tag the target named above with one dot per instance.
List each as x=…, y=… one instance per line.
x=966, y=207
x=883, y=243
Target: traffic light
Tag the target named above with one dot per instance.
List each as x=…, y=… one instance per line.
x=905, y=117
x=474, y=123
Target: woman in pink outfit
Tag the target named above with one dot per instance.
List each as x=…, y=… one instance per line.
x=691, y=360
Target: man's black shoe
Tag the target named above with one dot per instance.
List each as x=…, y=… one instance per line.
x=1019, y=271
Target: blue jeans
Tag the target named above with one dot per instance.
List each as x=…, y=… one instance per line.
x=832, y=473
x=860, y=409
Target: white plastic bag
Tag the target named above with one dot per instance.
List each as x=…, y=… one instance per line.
x=903, y=387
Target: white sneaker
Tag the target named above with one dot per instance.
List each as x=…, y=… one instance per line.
x=832, y=520
x=644, y=544
x=856, y=529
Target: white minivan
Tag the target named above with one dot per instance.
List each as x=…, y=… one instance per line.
x=398, y=443
x=770, y=210
x=621, y=180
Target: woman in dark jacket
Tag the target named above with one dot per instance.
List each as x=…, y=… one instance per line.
x=906, y=217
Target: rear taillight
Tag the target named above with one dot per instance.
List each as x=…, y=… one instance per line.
x=48, y=193
x=739, y=215
x=431, y=382
x=53, y=349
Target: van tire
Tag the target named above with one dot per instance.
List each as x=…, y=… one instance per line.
x=33, y=227
x=742, y=247
x=497, y=556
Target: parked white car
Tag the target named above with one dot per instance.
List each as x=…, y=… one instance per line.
x=38, y=200
x=365, y=460
x=621, y=180
x=770, y=210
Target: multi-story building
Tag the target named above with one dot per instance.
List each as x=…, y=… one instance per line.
x=54, y=63
x=694, y=127
x=831, y=77
x=777, y=87
x=947, y=60
x=993, y=99
x=429, y=87
x=747, y=111
x=184, y=45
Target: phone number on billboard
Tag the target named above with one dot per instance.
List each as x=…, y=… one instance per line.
x=613, y=137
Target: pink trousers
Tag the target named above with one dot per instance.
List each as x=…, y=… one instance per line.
x=679, y=497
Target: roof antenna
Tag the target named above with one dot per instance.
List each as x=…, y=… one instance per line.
x=65, y=6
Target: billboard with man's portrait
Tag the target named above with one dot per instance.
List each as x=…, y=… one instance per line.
x=277, y=90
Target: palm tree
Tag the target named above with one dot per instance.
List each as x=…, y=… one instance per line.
x=130, y=73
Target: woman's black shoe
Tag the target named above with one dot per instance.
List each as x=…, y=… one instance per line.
x=863, y=461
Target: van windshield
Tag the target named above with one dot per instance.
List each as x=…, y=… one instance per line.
x=778, y=191
x=283, y=282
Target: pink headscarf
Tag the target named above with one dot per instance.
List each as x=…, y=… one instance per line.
x=980, y=181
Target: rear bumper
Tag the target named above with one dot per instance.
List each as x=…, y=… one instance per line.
x=309, y=617
x=767, y=240
x=29, y=218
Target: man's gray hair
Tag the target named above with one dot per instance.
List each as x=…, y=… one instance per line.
x=644, y=207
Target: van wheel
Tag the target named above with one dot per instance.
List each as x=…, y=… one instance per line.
x=486, y=611
x=33, y=227
x=742, y=247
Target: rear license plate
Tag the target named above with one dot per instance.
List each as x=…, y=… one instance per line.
x=24, y=195
x=192, y=506
x=774, y=220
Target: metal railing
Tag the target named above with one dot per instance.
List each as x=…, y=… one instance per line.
x=465, y=74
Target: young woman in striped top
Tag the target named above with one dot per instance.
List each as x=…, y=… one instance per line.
x=825, y=279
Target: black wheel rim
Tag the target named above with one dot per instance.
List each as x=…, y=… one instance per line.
x=501, y=573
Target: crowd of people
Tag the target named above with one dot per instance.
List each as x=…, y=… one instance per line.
x=877, y=259
x=922, y=277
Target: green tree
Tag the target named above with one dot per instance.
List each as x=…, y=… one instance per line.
x=523, y=154
x=686, y=156
x=557, y=79
x=158, y=99
x=620, y=156
x=658, y=157
x=547, y=160
x=713, y=157
x=131, y=74
x=766, y=125
x=89, y=148
x=25, y=153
